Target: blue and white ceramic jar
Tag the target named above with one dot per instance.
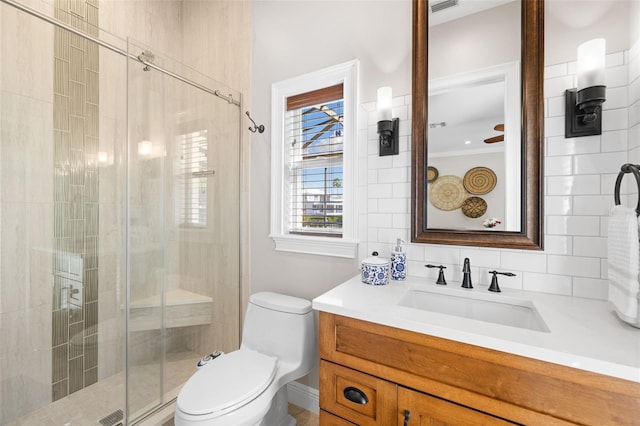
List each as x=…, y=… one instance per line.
x=375, y=270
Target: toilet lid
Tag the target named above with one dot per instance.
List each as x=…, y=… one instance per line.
x=227, y=382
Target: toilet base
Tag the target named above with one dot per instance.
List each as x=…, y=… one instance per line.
x=278, y=414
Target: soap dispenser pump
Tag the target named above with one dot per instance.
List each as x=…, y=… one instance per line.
x=398, y=262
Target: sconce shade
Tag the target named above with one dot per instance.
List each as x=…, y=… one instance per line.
x=383, y=104
x=591, y=63
x=387, y=126
x=583, y=105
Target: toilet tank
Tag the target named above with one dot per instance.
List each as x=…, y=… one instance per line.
x=281, y=326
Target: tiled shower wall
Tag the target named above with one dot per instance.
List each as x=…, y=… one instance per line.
x=579, y=181
x=76, y=129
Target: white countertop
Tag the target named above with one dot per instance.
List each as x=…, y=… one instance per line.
x=584, y=333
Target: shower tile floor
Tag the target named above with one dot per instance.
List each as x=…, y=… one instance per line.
x=92, y=403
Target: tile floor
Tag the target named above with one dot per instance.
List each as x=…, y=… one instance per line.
x=89, y=405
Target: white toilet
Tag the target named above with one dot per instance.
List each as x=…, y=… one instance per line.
x=246, y=387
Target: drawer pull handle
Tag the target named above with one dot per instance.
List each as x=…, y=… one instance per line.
x=407, y=417
x=355, y=395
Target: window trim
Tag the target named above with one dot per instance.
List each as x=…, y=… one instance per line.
x=347, y=74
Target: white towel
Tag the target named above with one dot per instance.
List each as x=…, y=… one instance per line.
x=624, y=263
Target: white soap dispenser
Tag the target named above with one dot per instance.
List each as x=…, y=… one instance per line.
x=398, y=262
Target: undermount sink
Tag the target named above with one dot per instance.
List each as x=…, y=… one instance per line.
x=493, y=308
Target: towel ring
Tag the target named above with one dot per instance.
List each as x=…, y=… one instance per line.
x=627, y=168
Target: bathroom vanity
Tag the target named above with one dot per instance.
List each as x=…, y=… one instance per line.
x=388, y=359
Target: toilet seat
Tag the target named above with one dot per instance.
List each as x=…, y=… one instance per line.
x=227, y=383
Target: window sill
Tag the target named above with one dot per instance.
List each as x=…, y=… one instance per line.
x=323, y=246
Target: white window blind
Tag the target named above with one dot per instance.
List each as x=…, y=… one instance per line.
x=192, y=191
x=314, y=152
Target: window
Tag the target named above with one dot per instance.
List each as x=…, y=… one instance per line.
x=314, y=141
x=313, y=162
x=191, y=200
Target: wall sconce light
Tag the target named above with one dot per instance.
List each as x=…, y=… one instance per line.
x=387, y=127
x=583, y=106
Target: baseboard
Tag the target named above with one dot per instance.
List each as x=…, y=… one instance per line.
x=304, y=396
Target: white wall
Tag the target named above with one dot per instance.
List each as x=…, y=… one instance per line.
x=292, y=38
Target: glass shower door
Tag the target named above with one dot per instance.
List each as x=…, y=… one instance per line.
x=183, y=226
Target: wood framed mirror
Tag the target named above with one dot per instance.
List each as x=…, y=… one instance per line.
x=529, y=234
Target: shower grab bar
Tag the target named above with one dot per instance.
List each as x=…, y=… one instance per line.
x=115, y=49
x=624, y=169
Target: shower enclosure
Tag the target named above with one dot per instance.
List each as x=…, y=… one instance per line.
x=119, y=220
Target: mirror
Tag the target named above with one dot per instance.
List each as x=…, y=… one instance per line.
x=507, y=176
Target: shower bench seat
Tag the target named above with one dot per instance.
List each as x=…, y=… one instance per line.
x=182, y=308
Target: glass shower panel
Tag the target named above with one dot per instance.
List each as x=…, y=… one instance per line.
x=62, y=140
x=183, y=245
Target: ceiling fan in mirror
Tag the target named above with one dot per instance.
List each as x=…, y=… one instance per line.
x=499, y=138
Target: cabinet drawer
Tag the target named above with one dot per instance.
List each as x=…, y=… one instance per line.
x=355, y=396
x=328, y=419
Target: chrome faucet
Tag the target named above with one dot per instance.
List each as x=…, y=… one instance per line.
x=466, y=272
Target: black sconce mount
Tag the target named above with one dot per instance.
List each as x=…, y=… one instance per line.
x=583, y=111
x=388, y=137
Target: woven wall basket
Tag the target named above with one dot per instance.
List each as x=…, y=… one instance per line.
x=480, y=180
x=474, y=207
x=447, y=193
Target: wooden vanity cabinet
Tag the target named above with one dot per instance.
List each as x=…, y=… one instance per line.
x=444, y=382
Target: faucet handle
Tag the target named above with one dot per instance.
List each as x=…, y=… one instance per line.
x=494, y=280
x=440, y=279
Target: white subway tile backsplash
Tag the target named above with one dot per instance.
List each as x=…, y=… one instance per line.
x=553, y=71
x=614, y=141
x=591, y=205
x=523, y=261
x=393, y=175
x=489, y=258
x=402, y=221
x=573, y=225
x=380, y=190
x=616, y=119
x=614, y=59
x=393, y=205
x=380, y=220
x=591, y=288
x=590, y=246
x=573, y=185
x=442, y=255
x=554, y=126
x=557, y=205
x=608, y=183
x=547, y=283
x=401, y=190
x=558, y=166
x=616, y=77
x=557, y=85
x=415, y=251
x=598, y=163
x=588, y=267
x=617, y=97
x=403, y=159
x=558, y=145
x=558, y=244
x=555, y=107
x=579, y=177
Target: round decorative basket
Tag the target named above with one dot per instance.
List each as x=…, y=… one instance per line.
x=447, y=193
x=432, y=174
x=480, y=180
x=474, y=207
